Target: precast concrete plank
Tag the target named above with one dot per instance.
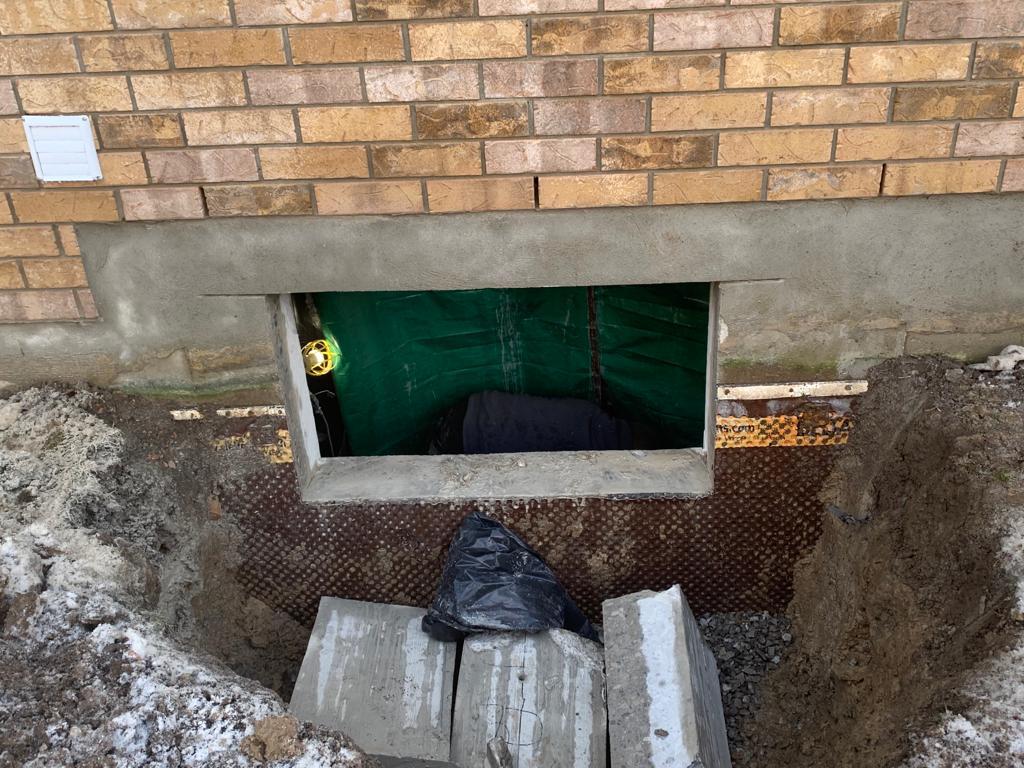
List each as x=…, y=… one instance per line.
x=542, y=694
x=664, y=699
x=373, y=674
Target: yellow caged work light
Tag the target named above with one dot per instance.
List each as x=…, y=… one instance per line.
x=319, y=357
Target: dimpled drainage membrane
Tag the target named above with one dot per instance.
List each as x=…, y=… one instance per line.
x=732, y=551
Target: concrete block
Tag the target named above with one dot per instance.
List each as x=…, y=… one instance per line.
x=664, y=700
x=373, y=674
x=542, y=694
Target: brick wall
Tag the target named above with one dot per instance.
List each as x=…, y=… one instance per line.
x=212, y=108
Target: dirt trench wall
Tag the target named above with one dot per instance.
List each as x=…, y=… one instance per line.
x=897, y=603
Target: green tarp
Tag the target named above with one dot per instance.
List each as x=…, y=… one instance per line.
x=406, y=357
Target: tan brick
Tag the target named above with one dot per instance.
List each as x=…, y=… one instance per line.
x=662, y=74
x=375, y=10
x=258, y=12
x=205, y=165
x=753, y=69
x=708, y=186
x=227, y=48
x=589, y=34
x=37, y=306
x=823, y=183
x=457, y=195
x=119, y=53
x=825, y=106
x=37, y=56
x=10, y=276
x=816, y=24
x=932, y=19
x=88, y=304
x=161, y=14
x=162, y=204
x=577, y=116
x=907, y=63
x=17, y=172
x=647, y=152
x=313, y=162
x=28, y=241
x=1013, y=176
x=597, y=191
x=486, y=119
x=55, y=273
x=6, y=217
x=426, y=82
x=541, y=155
x=8, y=102
x=941, y=178
x=369, y=197
x=125, y=131
x=69, y=240
x=240, y=126
x=12, y=136
x=1018, y=109
x=32, y=17
x=177, y=90
x=999, y=59
x=945, y=102
x=569, y=77
x=980, y=139
x=346, y=44
x=724, y=28
x=84, y=93
x=703, y=111
x=893, y=142
x=389, y=123
x=259, y=200
x=776, y=146
x=640, y=5
x=54, y=205
x=524, y=7
x=304, y=86
x=497, y=39
x=117, y=169
x=454, y=159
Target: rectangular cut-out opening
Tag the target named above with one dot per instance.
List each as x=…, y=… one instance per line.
x=501, y=392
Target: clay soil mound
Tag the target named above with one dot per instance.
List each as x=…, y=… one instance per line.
x=905, y=615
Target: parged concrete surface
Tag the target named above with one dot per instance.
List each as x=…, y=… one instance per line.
x=664, y=700
x=861, y=280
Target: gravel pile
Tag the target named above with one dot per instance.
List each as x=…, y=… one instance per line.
x=746, y=646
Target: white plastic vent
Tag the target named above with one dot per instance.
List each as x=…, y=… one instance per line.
x=62, y=148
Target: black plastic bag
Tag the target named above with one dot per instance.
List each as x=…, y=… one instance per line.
x=493, y=581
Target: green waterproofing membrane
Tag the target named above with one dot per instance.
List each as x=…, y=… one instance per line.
x=653, y=347
x=405, y=358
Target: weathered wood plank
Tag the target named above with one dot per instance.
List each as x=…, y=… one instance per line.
x=664, y=699
x=371, y=673
x=542, y=694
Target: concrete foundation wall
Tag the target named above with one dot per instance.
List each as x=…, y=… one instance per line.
x=810, y=290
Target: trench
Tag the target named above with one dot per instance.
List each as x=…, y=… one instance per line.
x=902, y=594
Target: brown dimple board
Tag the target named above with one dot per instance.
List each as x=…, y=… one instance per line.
x=732, y=551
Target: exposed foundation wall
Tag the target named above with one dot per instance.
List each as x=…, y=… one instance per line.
x=278, y=108
x=811, y=290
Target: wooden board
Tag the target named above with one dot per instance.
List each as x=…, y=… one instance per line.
x=543, y=694
x=371, y=673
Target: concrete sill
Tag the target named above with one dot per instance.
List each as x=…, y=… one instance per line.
x=684, y=472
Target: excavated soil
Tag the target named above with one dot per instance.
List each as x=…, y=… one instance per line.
x=907, y=633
